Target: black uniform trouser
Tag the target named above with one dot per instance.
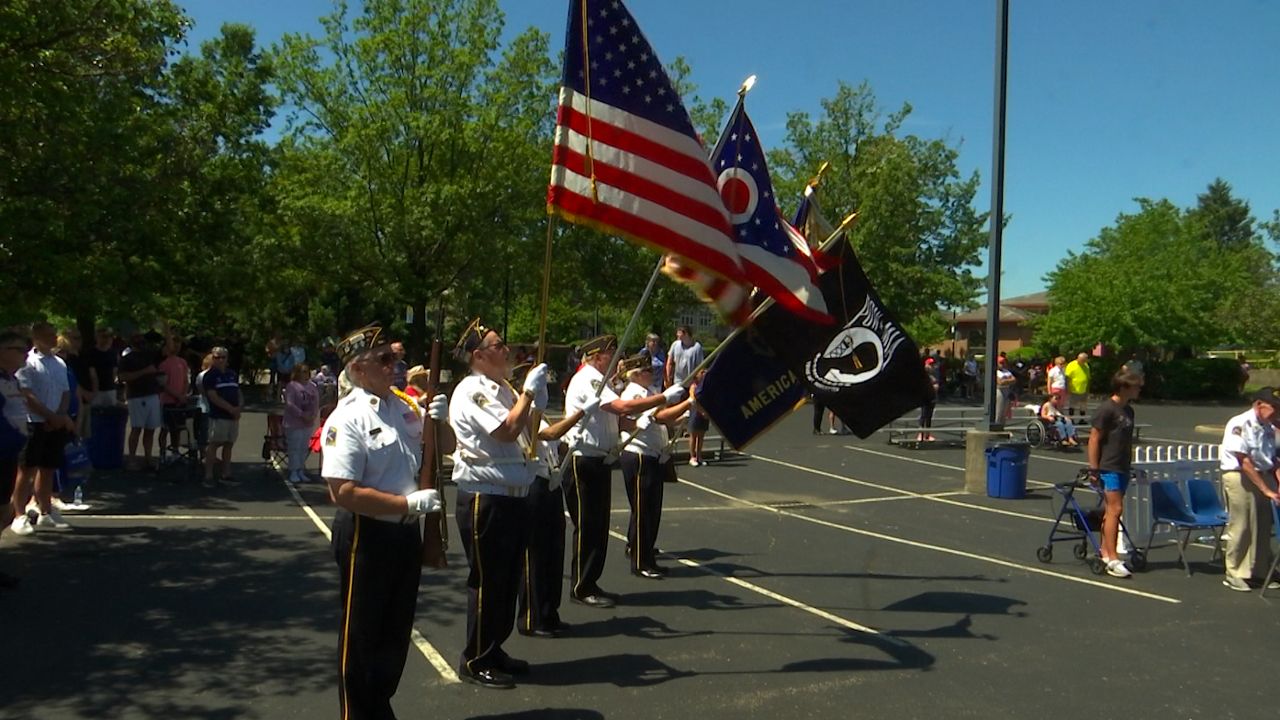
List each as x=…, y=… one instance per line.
x=926, y=413
x=539, y=602
x=587, y=493
x=494, y=530
x=642, y=476
x=380, y=564
x=818, y=411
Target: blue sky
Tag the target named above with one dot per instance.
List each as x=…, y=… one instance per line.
x=1107, y=101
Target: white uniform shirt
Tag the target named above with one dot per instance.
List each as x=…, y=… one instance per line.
x=366, y=440
x=44, y=376
x=478, y=407
x=1247, y=435
x=648, y=441
x=549, y=460
x=1057, y=379
x=597, y=433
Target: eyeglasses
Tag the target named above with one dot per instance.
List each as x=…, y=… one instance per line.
x=498, y=344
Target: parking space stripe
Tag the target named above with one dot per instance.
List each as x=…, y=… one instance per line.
x=433, y=656
x=934, y=497
x=937, y=548
x=219, y=518
x=792, y=602
x=927, y=462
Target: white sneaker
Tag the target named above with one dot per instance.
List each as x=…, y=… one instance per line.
x=1116, y=568
x=21, y=525
x=58, y=504
x=833, y=431
x=53, y=520
x=693, y=462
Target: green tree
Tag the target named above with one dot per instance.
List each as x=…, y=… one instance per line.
x=83, y=145
x=1165, y=279
x=917, y=235
x=416, y=155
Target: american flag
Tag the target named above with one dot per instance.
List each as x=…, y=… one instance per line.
x=774, y=255
x=627, y=160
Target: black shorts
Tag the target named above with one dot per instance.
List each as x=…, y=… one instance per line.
x=698, y=422
x=45, y=448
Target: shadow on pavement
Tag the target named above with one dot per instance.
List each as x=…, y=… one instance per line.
x=544, y=714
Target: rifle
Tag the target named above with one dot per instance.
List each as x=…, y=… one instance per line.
x=435, y=531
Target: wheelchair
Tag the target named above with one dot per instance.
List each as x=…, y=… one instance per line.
x=1044, y=434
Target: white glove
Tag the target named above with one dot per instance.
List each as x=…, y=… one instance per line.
x=673, y=394
x=537, y=378
x=591, y=405
x=644, y=421
x=422, y=502
x=540, y=398
x=438, y=408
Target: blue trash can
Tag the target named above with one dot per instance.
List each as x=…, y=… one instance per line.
x=1007, y=470
x=106, y=441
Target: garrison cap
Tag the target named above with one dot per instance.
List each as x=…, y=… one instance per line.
x=1268, y=395
x=635, y=363
x=471, y=338
x=358, y=341
x=599, y=344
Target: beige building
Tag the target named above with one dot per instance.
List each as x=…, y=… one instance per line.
x=971, y=326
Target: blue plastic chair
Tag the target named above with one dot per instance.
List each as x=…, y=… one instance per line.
x=1205, y=500
x=1275, y=530
x=1168, y=508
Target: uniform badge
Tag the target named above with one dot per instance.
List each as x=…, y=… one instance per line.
x=1237, y=430
x=595, y=385
x=479, y=399
x=331, y=436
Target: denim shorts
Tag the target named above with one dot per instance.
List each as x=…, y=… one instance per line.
x=1114, y=481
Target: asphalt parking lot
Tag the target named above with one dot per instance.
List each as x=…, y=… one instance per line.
x=817, y=576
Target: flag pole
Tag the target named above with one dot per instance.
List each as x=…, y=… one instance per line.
x=763, y=306
x=631, y=325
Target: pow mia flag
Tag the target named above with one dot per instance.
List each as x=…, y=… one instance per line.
x=865, y=368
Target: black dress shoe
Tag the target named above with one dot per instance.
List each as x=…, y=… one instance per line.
x=514, y=666
x=595, y=601
x=538, y=632
x=647, y=573
x=487, y=678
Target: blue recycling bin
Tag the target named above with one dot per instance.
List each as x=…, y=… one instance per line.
x=106, y=441
x=1007, y=470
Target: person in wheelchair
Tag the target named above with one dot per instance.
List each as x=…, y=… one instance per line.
x=1055, y=420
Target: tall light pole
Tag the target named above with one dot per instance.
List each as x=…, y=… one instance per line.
x=997, y=216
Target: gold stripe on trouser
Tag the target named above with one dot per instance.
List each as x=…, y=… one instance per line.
x=577, y=530
x=475, y=553
x=346, y=621
x=528, y=593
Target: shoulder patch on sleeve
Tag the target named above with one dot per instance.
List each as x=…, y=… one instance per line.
x=1237, y=430
x=595, y=385
x=331, y=436
x=479, y=399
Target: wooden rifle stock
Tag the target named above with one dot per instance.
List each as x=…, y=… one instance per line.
x=435, y=531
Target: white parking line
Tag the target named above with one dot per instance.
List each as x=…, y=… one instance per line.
x=878, y=453
x=937, y=548
x=219, y=518
x=934, y=497
x=842, y=622
x=433, y=656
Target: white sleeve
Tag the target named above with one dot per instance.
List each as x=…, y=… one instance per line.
x=1233, y=440
x=344, y=454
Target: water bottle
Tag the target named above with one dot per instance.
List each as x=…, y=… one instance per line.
x=80, y=494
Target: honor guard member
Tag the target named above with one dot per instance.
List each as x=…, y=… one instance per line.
x=642, y=471
x=587, y=483
x=538, y=612
x=493, y=474
x=370, y=463
x=1249, y=472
